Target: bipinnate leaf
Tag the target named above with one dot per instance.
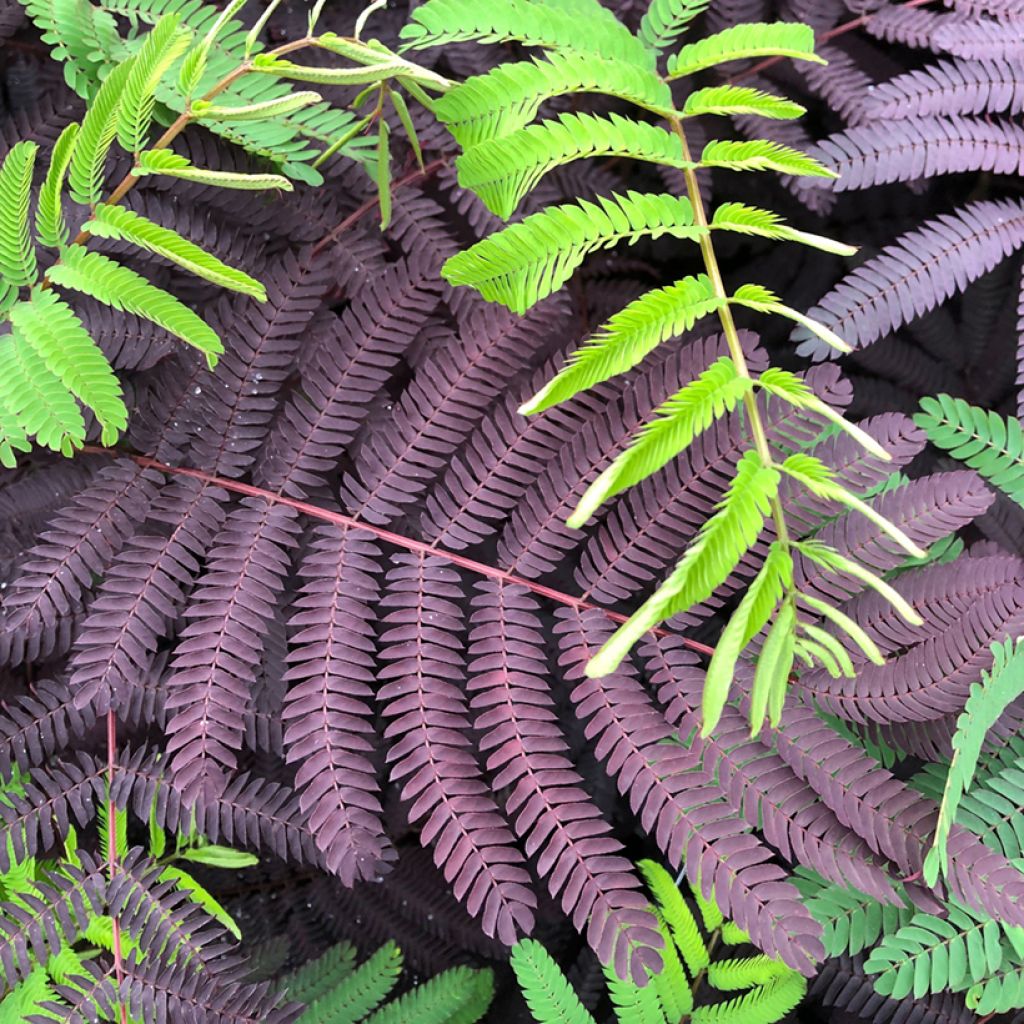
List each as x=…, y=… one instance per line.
x=549, y=996
x=752, y=220
x=128, y=226
x=719, y=545
x=17, y=253
x=743, y=42
x=691, y=410
x=123, y=288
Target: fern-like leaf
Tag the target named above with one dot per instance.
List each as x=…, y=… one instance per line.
x=50, y=227
x=665, y=21
x=751, y=220
x=526, y=262
x=999, y=687
x=760, y=155
x=123, y=288
x=719, y=546
x=743, y=42
x=691, y=410
x=549, y=996
x=739, y=99
x=126, y=225
x=987, y=442
x=17, y=254
x=502, y=171
x=173, y=165
x=160, y=49
x=508, y=97
x=51, y=327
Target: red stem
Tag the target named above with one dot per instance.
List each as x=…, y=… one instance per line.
x=112, y=862
x=408, y=543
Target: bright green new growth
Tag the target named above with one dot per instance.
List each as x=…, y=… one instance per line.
x=768, y=989
x=193, y=55
x=505, y=155
x=58, y=956
x=336, y=991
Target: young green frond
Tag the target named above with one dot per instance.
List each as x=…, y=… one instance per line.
x=85, y=173
x=632, y=1004
x=987, y=442
x=278, y=67
x=525, y=262
x=744, y=42
x=361, y=991
x=739, y=99
x=988, y=699
x=382, y=174
x=825, y=648
x=678, y=916
x=503, y=171
x=843, y=621
x=50, y=327
x=123, y=288
x=774, y=664
x=41, y=405
x=160, y=49
x=12, y=436
x=128, y=226
x=508, y=97
x=821, y=481
x=204, y=110
x=761, y=155
x=17, y=253
x=413, y=76
x=721, y=542
x=832, y=561
x=585, y=26
x=549, y=996
x=459, y=995
x=773, y=580
x=627, y=337
x=687, y=413
x=665, y=21
x=751, y=220
x=51, y=230
x=173, y=165
x=764, y=1004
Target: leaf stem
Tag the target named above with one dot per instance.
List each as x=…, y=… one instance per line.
x=732, y=338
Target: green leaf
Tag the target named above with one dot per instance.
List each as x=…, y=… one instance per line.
x=820, y=640
x=752, y=220
x=398, y=102
x=372, y=51
x=128, y=226
x=173, y=165
x=821, y=481
x=832, y=561
x=85, y=173
x=12, y=437
x=549, y=996
x=627, y=337
x=193, y=67
x=361, y=991
x=50, y=226
x=200, y=896
x=266, y=110
x=118, y=286
x=720, y=543
x=120, y=832
x=17, y=254
x=847, y=625
x=690, y=411
x=526, y=262
x=748, y=41
x=730, y=100
x=316, y=977
x=507, y=97
x=504, y=170
x=459, y=994
x=677, y=914
x=382, y=174
x=40, y=404
x=750, y=617
x=665, y=21
x=761, y=155
x=51, y=327
x=757, y=297
x=773, y=667
x=987, y=442
x=221, y=857
x=988, y=699
x=159, y=50
x=386, y=70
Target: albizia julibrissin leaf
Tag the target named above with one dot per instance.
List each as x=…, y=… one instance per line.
x=916, y=273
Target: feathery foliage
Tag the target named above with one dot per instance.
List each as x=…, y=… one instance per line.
x=768, y=989
x=504, y=157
